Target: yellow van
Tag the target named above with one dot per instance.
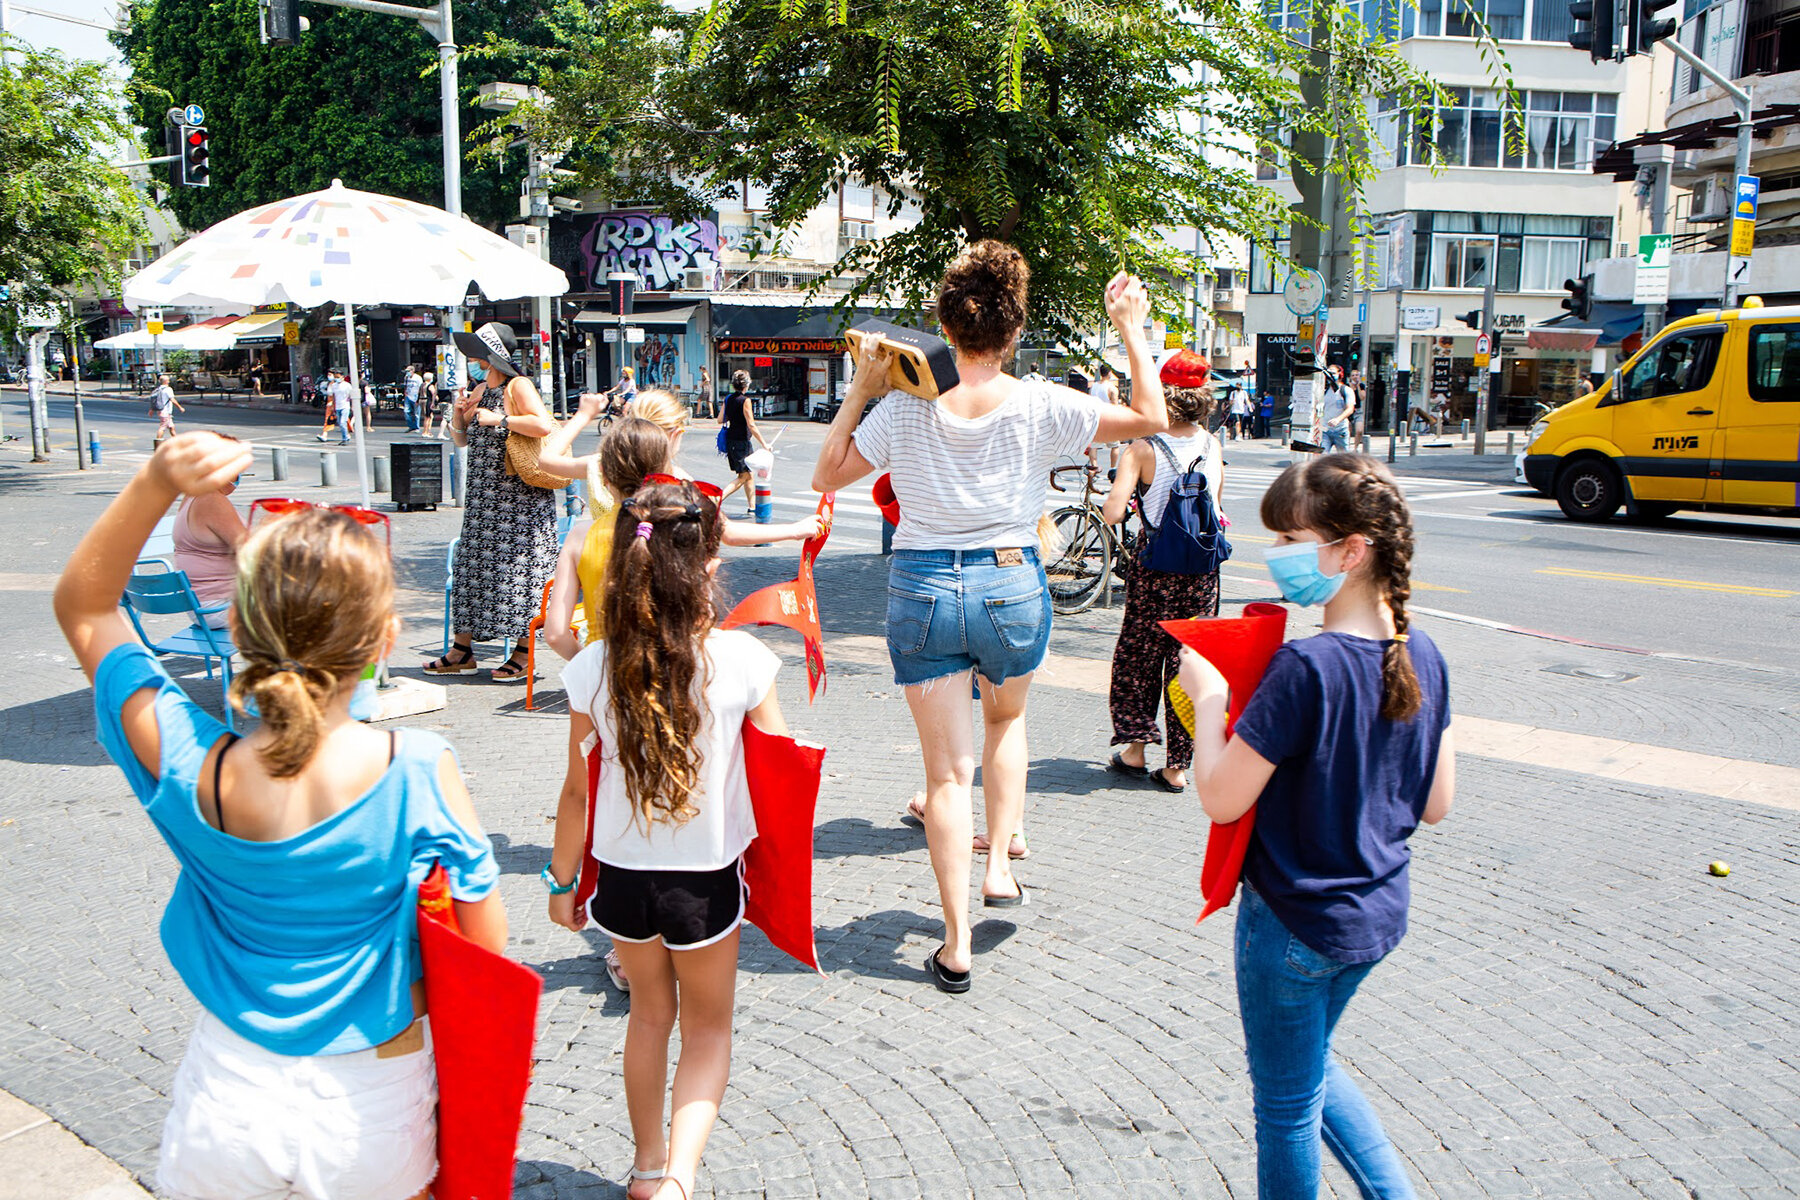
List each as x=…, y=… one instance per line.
x=1706, y=416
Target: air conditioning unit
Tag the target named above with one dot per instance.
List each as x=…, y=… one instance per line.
x=1712, y=199
x=526, y=237
x=856, y=231
x=696, y=279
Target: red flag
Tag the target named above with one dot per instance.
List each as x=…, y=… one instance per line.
x=483, y=1010
x=784, y=780
x=794, y=604
x=1240, y=647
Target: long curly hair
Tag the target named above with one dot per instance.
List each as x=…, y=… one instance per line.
x=1337, y=495
x=660, y=602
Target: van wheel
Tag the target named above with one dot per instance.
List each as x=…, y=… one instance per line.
x=1650, y=512
x=1589, y=489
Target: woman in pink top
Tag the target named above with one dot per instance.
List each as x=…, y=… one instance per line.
x=208, y=532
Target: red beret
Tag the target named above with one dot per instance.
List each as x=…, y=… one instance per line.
x=1186, y=370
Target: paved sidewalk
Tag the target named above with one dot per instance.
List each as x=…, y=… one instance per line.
x=39, y=1159
x=1579, y=1009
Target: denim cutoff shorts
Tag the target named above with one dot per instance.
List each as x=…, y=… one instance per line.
x=950, y=610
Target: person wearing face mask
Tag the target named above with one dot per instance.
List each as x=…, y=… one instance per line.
x=1344, y=748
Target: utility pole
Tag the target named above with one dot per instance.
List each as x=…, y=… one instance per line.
x=1740, y=98
x=1484, y=401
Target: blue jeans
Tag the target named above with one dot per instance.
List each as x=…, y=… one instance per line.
x=1335, y=438
x=1290, y=998
x=411, y=408
x=950, y=610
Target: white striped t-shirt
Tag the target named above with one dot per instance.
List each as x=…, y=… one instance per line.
x=966, y=484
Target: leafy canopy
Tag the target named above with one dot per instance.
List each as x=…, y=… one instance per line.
x=67, y=216
x=355, y=99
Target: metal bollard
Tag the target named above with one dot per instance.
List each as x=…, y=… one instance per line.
x=1365, y=441
x=94, y=449
x=1465, y=431
x=381, y=481
x=456, y=478
x=1287, y=433
x=1412, y=445
x=278, y=467
x=327, y=468
x=1509, y=443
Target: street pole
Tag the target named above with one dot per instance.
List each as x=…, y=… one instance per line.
x=81, y=452
x=1740, y=98
x=34, y=394
x=1484, y=401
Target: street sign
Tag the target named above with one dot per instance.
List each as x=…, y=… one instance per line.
x=1362, y=312
x=290, y=332
x=1304, y=291
x=1651, y=285
x=1739, y=274
x=1399, y=252
x=153, y=328
x=634, y=334
x=609, y=336
x=193, y=114
x=1482, y=348
x=1743, y=215
x=1419, y=316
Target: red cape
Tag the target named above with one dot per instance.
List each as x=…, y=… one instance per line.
x=1240, y=647
x=784, y=780
x=483, y=1010
x=794, y=604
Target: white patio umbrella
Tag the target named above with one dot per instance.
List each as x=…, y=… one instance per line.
x=188, y=337
x=348, y=247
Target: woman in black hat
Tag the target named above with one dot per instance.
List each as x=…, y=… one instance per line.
x=508, y=546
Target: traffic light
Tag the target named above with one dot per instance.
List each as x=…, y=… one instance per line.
x=1601, y=35
x=1301, y=362
x=1642, y=28
x=1579, y=301
x=281, y=22
x=196, y=156
x=1472, y=319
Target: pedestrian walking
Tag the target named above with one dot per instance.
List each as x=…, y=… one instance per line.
x=1240, y=412
x=257, y=372
x=1335, y=407
x=164, y=406
x=1265, y=415
x=370, y=401
x=411, y=385
x=967, y=591
x=740, y=429
x=508, y=547
x=705, y=404
x=429, y=401
x=343, y=403
x=1344, y=748
x=310, y=1071
x=1145, y=657
x=667, y=700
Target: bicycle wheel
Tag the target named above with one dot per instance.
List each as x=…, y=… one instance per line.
x=1078, y=571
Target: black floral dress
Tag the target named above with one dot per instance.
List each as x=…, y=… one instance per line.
x=508, y=547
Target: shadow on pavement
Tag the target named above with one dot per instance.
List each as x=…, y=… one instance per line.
x=564, y=1182
x=23, y=736
x=1076, y=777
x=850, y=837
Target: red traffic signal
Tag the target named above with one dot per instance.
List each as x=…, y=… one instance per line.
x=196, y=156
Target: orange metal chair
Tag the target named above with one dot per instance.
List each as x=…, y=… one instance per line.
x=577, y=627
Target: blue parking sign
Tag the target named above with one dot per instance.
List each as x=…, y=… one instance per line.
x=1748, y=189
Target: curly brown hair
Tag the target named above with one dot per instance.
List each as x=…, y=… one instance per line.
x=314, y=607
x=981, y=299
x=1337, y=495
x=660, y=602
x=1192, y=405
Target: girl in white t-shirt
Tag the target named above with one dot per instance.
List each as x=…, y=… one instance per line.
x=666, y=694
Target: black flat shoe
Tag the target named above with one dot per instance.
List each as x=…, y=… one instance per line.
x=1120, y=766
x=1018, y=901
x=954, y=982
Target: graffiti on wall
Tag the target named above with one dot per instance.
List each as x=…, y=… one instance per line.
x=659, y=361
x=656, y=248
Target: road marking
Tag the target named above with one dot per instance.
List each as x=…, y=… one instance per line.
x=1691, y=585
x=1565, y=639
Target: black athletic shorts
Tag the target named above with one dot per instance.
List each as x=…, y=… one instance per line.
x=686, y=910
x=735, y=454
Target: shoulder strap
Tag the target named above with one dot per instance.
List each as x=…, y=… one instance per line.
x=1161, y=442
x=231, y=739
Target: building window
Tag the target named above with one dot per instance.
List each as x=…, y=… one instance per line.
x=1461, y=261
x=1772, y=38
x=1268, y=268
x=1545, y=262
x=1563, y=131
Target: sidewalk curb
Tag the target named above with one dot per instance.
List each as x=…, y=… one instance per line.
x=40, y=1158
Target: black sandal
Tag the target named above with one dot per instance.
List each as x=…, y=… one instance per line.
x=513, y=670
x=1120, y=766
x=954, y=982
x=452, y=666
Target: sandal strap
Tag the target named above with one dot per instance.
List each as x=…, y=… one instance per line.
x=646, y=1176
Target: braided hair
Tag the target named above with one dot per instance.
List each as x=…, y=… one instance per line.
x=1342, y=494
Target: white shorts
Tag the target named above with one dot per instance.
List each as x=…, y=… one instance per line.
x=250, y=1124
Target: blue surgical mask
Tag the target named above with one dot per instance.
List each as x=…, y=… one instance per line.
x=1295, y=569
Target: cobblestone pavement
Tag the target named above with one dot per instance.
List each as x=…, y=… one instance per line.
x=1579, y=1009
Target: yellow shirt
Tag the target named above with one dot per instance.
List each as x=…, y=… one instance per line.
x=590, y=568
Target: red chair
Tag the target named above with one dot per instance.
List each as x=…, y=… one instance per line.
x=577, y=627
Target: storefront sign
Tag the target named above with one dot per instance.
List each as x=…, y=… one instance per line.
x=1509, y=321
x=762, y=362
x=787, y=346
x=1440, y=376
x=656, y=248
x=1419, y=316
x=418, y=335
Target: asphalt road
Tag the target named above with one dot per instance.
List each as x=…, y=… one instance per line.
x=1699, y=586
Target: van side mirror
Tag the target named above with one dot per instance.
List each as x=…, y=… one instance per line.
x=1615, y=391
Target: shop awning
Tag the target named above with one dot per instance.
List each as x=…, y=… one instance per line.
x=200, y=336
x=1605, y=325
x=640, y=318
x=257, y=329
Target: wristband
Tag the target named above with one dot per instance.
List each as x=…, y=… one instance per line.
x=555, y=888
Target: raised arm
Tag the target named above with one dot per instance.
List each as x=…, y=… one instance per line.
x=1128, y=305
x=839, y=464
x=525, y=410
x=1229, y=775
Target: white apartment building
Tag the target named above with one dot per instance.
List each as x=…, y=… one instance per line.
x=1527, y=216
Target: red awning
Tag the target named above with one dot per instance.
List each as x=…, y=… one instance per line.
x=1551, y=337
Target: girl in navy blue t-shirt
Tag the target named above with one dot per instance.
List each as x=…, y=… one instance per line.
x=1344, y=749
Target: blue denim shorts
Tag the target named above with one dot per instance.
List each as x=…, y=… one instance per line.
x=950, y=610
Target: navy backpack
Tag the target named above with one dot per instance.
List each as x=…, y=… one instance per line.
x=1189, y=540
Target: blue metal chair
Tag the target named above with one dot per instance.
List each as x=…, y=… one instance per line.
x=449, y=574
x=161, y=545
x=155, y=589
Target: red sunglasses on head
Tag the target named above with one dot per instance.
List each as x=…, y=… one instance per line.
x=711, y=491
x=275, y=506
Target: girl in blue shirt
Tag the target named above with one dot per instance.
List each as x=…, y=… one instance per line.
x=1344, y=749
x=302, y=845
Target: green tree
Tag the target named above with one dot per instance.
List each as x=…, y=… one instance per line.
x=1073, y=129
x=356, y=99
x=67, y=216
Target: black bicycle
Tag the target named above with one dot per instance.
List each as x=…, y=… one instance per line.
x=1090, y=549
